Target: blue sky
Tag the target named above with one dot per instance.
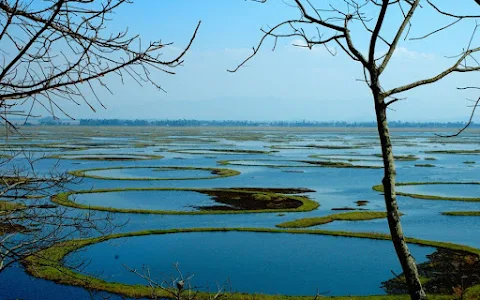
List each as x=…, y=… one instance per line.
x=290, y=83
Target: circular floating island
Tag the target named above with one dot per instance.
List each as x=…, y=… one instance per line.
x=320, y=146
x=273, y=163
x=437, y=190
x=220, y=151
x=252, y=273
x=155, y=173
x=361, y=160
x=107, y=157
x=459, y=152
x=185, y=201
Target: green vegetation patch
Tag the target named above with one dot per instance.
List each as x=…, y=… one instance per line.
x=7, y=228
x=345, y=157
x=409, y=157
x=362, y=202
x=48, y=264
x=469, y=162
x=275, y=190
x=446, y=271
x=462, y=213
x=379, y=188
x=14, y=180
x=216, y=173
x=348, y=216
x=425, y=165
x=476, y=151
x=220, y=151
x=315, y=146
x=6, y=206
x=107, y=157
x=307, y=164
x=230, y=201
x=339, y=164
x=345, y=208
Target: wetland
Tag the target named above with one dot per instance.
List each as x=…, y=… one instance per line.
x=222, y=202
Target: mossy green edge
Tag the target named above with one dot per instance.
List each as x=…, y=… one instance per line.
x=379, y=188
x=364, y=157
x=43, y=147
x=220, y=151
x=407, y=157
x=63, y=199
x=313, y=146
x=313, y=164
x=425, y=165
x=6, y=206
x=106, y=157
x=461, y=152
x=462, y=213
x=219, y=173
x=47, y=264
x=346, y=157
x=348, y=216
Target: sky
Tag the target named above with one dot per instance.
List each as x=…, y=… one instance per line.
x=290, y=83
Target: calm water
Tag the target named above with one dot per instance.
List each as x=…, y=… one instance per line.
x=96, y=156
x=444, y=190
x=150, y=173
x=269, y=163
x=156, y=200
x=294, y=264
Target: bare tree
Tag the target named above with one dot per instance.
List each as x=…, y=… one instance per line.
x=57, y=50
x=330, y=25
x=29, y=221
x=178, y=287
x=53, y=51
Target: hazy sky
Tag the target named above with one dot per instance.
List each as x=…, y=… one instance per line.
x=290, y=83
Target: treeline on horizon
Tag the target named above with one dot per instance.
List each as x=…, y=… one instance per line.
x=233, y=123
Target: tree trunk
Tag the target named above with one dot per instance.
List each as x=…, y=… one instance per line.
x=406, y=259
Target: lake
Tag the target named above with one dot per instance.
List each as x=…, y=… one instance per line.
x=280, y=263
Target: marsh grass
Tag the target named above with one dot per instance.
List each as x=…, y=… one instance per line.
x=203, y=151
x=425, y=165
x=476, y=151
x=348, y=216
x=309, y=164
x=107, y=157
x=462, y=213
x=408, y=157
x=379, y=188
x=6, y=206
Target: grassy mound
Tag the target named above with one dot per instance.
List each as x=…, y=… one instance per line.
x=348, y=216
x=462, y=213
x=204, y=151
